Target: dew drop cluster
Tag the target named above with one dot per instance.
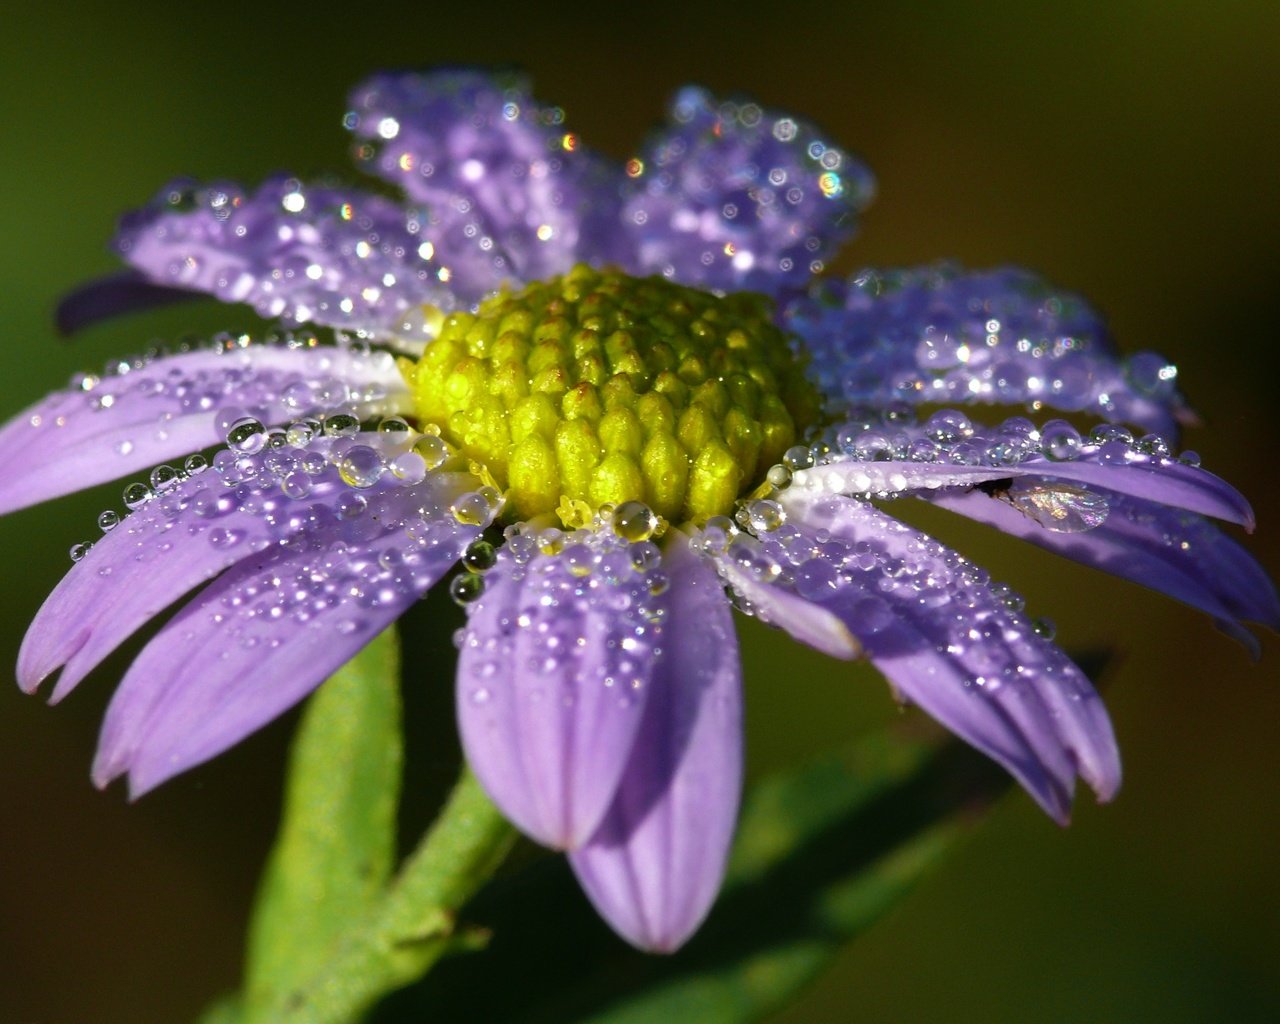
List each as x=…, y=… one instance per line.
x=898, y=591
x=302, y=253
x=320, y=523
x=891, y=453
x=567, y=612
x=943, y=335
x=198, y=391
x=739, y=197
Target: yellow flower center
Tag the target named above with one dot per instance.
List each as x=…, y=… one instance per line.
x=597, y=388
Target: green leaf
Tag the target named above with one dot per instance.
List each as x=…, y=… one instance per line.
x=337, y=841
x=225, y=1010
x=822, y=852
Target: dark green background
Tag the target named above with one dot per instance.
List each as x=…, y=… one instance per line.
x=1128, y=151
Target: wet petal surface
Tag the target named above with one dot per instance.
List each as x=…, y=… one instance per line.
x=155, y=408
x=555, y=669
x=271, y=628
x=732, y=196
x=303, y=253
x=481, y=147
x=655, y=865
x=193, y=527
x=876, y=458
x=945, y=638
x=943, y=335
x=1174, y=552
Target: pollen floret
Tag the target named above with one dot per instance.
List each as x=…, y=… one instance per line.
x=603, y=388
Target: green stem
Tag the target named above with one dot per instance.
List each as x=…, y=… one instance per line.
x=413, y=924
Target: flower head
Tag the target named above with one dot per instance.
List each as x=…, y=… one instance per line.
x=612, y=394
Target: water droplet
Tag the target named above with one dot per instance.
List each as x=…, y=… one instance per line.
x=1044, y=628
x=136, y=495
x=466, y=588
x=299, y=434
x=433, y=450
x=1060, y=441
x=779, y=476
x=163, y=478
x=394, y=425
x=1062, y=508
x=634, y=521
x=223, y=538
x=361, y=466
x=341, y=424
x=108, y=520
x=351, y=506
x=764, y=515
x=409, y=467
x=247, y=435
x=579, y=559
x=296, y=485
x=470, y=509
x=479, y=556
x=797, y=457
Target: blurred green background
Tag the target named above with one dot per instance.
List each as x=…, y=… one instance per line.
x=1126, y=150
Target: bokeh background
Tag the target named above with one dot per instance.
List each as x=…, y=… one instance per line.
x=1126, y=150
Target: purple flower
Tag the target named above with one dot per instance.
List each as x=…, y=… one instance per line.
x=611, y=393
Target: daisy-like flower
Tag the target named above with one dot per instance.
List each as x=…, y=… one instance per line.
x=613, y=395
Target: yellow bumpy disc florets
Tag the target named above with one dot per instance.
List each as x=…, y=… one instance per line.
x=601, y=388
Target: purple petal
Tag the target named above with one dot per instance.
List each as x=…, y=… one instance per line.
x=942, y=335
x=946, y=641
x=807, y=622
x=873, y=458
x=1176, y=553
x=181, y=538
x=730, y=196
x=1168, y=483
x=479, y=143
x=107, y=297
x=654, y=867
x=268, y=631
x=153, y=409
x=303, y=253
x=556, y=666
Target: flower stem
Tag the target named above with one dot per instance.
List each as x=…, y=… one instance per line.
x=413, y=924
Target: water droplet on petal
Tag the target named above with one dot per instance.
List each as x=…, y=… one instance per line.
x=247, y=435
x=634, y=521
x=361, y=466
x=466, y=588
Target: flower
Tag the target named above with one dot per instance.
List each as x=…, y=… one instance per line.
x=628, y=372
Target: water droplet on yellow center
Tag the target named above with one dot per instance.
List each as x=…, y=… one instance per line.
x=602, y=389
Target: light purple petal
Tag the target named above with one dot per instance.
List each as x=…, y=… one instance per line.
x=732, y=196
x=556, y=666
x=270, y=629
x=809, y=623
x=943, y=335
x=1174, y=552
x=872, y=458
x=945, y=639
x=186, y=535
x=104, y=298
x=155, y=408
x=654, y=867
x=302, y=253
x=480, y=144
